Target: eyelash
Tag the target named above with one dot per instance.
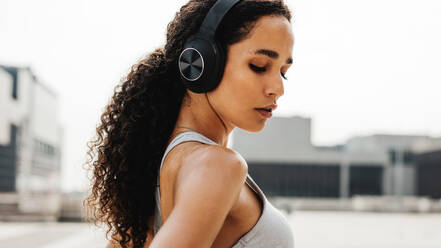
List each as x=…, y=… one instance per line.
x=259, y=69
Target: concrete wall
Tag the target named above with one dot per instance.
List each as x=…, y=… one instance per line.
x=289, y=140
x=366, y=159
x=381, y=143
x=280, y=140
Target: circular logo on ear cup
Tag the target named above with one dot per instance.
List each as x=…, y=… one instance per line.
x=191, y=64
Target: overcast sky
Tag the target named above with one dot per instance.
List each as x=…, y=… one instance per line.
x=360, y=67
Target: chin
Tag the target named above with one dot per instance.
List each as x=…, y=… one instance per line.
x=255, y=128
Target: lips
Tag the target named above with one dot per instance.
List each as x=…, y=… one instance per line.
x=264, y=113
x=268, y=108
x=267, y=111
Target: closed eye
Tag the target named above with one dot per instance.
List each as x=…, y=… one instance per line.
x=259, y=69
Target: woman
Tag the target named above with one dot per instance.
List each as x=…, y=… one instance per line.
x=162, y=174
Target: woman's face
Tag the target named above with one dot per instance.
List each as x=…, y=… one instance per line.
x=253, y=75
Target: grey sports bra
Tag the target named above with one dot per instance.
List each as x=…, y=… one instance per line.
x=272, y=230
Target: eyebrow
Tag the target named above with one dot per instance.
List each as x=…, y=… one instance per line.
x=272, y=54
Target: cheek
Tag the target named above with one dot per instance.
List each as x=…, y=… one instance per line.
x=239, y=89
x=235, y=99
x=238, y=92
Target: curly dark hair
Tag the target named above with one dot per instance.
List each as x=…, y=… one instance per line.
x=125, y=155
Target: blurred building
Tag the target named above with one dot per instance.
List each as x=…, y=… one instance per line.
x=428, y=169
x=284, y=162
x=30, y=144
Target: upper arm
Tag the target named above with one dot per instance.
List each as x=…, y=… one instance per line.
x=206, y=188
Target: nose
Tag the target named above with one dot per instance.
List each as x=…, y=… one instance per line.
x=275, y=88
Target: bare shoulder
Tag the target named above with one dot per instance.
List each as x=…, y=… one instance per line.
x=207, y=186
x=215, y=160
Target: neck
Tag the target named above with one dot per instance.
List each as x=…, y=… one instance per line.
x=198, y=114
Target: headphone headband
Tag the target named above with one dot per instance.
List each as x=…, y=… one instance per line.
x=214, y=17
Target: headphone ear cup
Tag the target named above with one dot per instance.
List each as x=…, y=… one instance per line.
x=220, y=65
x=199, y=65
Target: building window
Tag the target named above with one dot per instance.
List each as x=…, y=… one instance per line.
x=15, y=86
x=14, y=74
x=43, y=148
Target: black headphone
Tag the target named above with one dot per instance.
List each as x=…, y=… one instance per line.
x=202, y=60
